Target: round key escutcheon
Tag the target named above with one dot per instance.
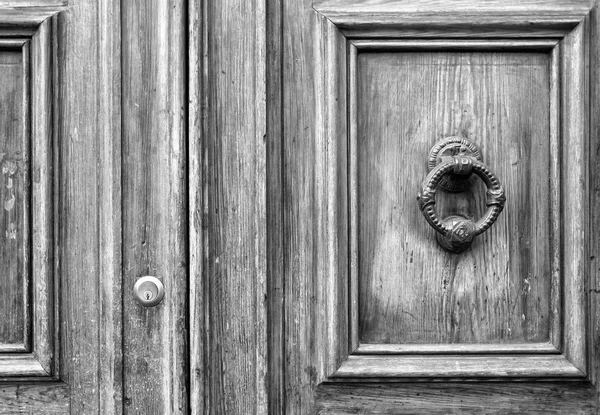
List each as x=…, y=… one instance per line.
x=148, y=291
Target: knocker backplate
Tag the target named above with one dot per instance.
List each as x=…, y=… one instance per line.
x=454, y=146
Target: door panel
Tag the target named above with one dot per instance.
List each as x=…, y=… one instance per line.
x=14, y=253
x=60, y=244
x=154, y=197
x=410, y=291
x=28, y=343
x=375, y=312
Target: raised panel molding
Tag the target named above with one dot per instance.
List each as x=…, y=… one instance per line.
x=343, y=31
x=36, y=43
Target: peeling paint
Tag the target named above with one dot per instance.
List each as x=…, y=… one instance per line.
x=10, y=203
x=9, y=168
x=11, y=233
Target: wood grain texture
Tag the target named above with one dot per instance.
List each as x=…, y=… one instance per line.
x=555, y=229
x=394, y=18
x=275, y=194
x=299, y=81
x=456, y=398
x=233, y=211
x=15, y=144
x=469, y=366
x=83, y=122
x=155, y=340
x=197, y=81
x=593, y=289
x=302, y=43
x=487, y=349
x=575, y=192
x=20, y=365
x=448, y=45
x=410, y=289
x=34, y=398
x=110, y=377
x=43, y=198
x=315, y=204
x=23, y=18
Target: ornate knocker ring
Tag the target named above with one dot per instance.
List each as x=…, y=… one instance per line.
x=456, y=233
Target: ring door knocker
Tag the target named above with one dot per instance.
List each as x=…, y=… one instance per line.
x=454, y=163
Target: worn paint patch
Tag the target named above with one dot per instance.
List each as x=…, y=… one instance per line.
x=9, y=169
x=10, y=203
x=11, y=232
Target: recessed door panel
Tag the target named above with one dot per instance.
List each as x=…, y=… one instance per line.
x=14, y=211
x=411, y=290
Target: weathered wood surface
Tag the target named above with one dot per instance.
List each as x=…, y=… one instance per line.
x=34, y=398
x=86, y=116
x=455, y=366
x=300, y=354
x=455, y=18
x=275, y=194
x=21, y=364
x=576, y=193
x=228, y=190
x=197, y=78
x=109, y=217
x=447, y=349
x=155, y=340
x=15, y=196
x=304, y=233
x=456, y=398
x=410, y=289
x=315, y=226
x=593, y=289
x=45, y=325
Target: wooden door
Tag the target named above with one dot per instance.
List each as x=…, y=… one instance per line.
x=263, y=160
x=132, y=143
x=374, y=315
x=60, y=272
x=93, y=125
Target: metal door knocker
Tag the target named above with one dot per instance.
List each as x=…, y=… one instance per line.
x=454, y=165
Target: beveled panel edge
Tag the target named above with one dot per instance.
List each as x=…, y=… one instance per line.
x=436, y=19
x=550, y=45
x=556, y=306
x=525, y=366
x=574, y=193
x=445, y=349
x=332, y=144
x=353, y=196
x=13, y=348
x=23, y=46
x=21, y=365
x=13, y=43
x=25, y=21
x=572, y=8
x=456, y=44
x=42, y=196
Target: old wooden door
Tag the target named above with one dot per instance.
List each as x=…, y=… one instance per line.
x=375, y=316
x=132, y=143
x=262, y=159
x=93, y=124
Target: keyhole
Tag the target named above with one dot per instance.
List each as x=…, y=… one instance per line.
x=148, y=291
